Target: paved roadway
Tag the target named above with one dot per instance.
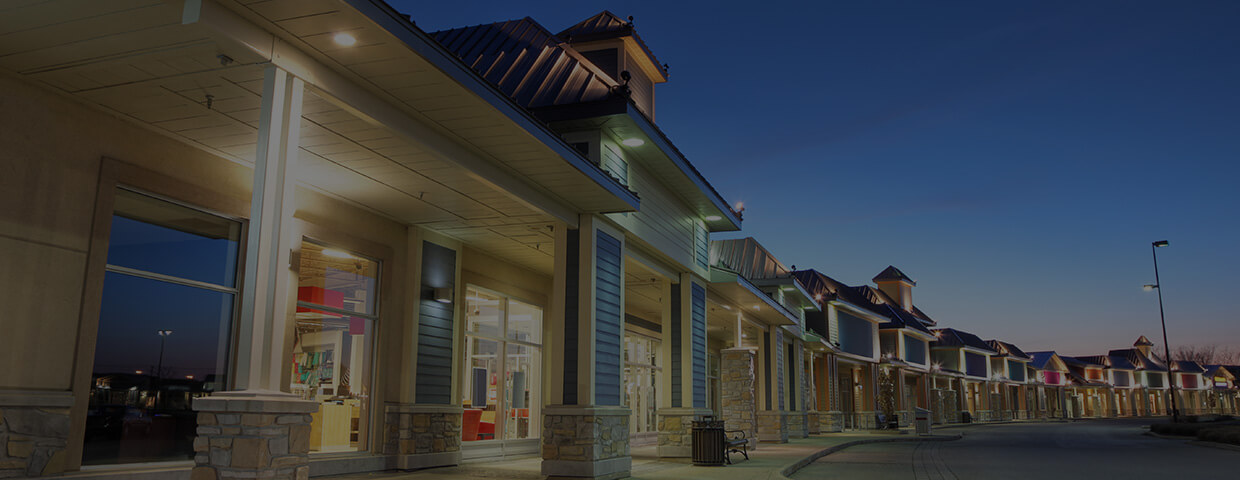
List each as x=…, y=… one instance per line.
x=1096, y=449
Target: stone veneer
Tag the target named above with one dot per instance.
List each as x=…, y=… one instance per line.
x=590, y=442
x=252, y=435
x=945, y=406
x=32, y=441
x=676, y=430
x=797, y=427
x=831, y=422
x=773, y=426
x=422, y=436
x=812, y=426
x=737, y=397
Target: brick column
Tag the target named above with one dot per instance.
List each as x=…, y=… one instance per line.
x=737, y=396
x=251, y=435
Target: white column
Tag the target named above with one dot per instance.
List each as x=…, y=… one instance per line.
x=265, y=291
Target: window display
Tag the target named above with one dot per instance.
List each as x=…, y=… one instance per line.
x=336, y=314
x=501, y=394
x=164, y=329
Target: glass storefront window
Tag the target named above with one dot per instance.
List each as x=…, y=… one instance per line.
x=164, y=329
x=336, y=313
x=501, y=394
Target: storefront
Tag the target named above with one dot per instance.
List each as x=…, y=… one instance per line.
x=502, y=388
x=642, y=377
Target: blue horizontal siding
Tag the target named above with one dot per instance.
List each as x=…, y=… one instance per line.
x=608, y=320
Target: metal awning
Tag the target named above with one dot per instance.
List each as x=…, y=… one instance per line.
x=739, y=294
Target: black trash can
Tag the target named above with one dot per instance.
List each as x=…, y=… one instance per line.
x=708, y=441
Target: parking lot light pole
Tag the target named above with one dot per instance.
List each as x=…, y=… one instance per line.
x=1175, y=411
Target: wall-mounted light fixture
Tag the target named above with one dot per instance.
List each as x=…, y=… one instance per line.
x=443, y=295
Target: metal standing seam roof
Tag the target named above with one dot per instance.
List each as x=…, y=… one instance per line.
x=1040, y=359
x=536, y=69
x=1139, y=359
x=950, y=337
x=1188, y=366
x=605, y=25
x=1008, y=349
x=891, y=273
x=1120, y=362
x=526, y=62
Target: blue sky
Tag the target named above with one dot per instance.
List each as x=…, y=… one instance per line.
x=1015, y=158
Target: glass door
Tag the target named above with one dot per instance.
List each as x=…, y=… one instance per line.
x=503, y=350
x=641, y=380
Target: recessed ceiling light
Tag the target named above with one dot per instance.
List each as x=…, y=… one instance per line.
x=712, y=218
x=633, y=142
x=344, y=39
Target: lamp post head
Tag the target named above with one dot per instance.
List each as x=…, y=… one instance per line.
x=1149, y=287
x=164, y=333
x=1161, y=243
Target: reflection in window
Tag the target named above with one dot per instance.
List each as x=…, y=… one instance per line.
x=495, y=324
x=336, y=314
x=164, y=329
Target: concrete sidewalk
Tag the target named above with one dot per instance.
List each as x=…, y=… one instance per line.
x=768, y=461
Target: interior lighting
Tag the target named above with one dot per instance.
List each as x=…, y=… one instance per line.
x=712, y=218
x=331, y=252
x=633, y=142
x=344, y=39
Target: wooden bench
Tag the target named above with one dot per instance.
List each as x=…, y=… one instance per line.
x=734, y=441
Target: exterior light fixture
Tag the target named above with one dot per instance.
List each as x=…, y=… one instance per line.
x=443, y=295
x=712, y=218
x=725, y=307
x=344, y=39
x=633, y=142
x=1162, y=317
x=756, y=307
x=139, y=372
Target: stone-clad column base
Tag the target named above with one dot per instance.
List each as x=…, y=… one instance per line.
x=796, y=425
x=252, y=434
x=585, y=442
x=676, y=430
x=773, y=426
x=831, y=422
x=813, y=425
x=737, y=397
x=866, y=420
x=34, y=430
x=422, y=436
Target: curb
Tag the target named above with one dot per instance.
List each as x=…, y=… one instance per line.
x=792, y=468
x=1193, y=441
x=1005, y=422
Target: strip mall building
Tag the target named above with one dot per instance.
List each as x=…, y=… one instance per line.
x=282, y=239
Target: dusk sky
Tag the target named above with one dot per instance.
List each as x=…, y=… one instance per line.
x=1015, y=158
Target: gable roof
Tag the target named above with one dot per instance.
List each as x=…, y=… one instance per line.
x=1139, y=360
x=950, y=337
x=1187, y=366
x=1041, y=359
x=1219, y=371
x=606, y=25
x=1007, y=349
x=1143, y=342
x=914, y=319
x=1094, y=361
x=892, y=274
x=1121, y=362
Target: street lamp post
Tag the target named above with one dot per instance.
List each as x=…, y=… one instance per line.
x=159, y=371
x=1175, y=411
